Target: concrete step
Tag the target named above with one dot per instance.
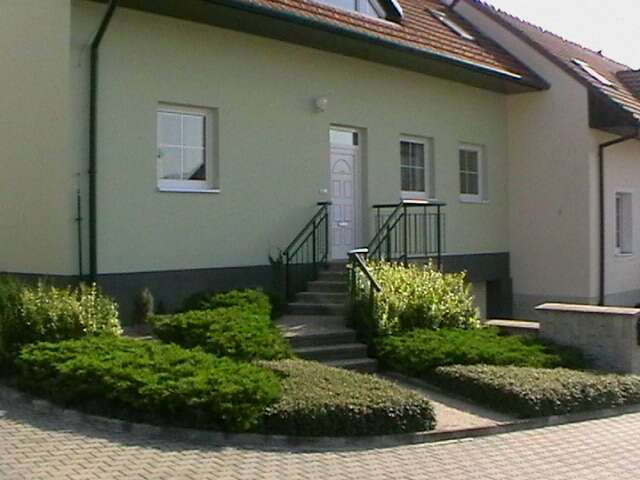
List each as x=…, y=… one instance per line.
x=299, y=308
x=332, y=352
x=329, y=337
x=333, y=276
x=327, y=286
x=322, y=297
x=363, y=365
x=515, y=327
x=336, y=267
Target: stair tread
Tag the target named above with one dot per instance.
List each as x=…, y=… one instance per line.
x=351, y=361
x=316, y=304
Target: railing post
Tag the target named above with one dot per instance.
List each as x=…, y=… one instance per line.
x=314, y=256
x=287, y=277
x=326, y=233
x=405, y=236
x=439, y=237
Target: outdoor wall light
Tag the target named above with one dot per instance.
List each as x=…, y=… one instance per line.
x=321, y=104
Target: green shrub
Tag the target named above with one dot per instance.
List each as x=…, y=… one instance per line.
x=417, y=296
x=147, y=381
x=419, y=351
x=47, y=313
x=323, y=401
x=255, y=300
x=144, y=307
x=532, y=392
x=231, y=332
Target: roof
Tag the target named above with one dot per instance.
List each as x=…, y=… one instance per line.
x=419, y=30
x=624, y=91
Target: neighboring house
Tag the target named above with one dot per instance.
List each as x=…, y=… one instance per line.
x=557, y=140
x=220, y=124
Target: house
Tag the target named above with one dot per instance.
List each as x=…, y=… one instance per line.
x=177, y=145
x=571, y=147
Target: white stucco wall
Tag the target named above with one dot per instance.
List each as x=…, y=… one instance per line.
x=38, y=181
x=273, y=146
x=552, y=177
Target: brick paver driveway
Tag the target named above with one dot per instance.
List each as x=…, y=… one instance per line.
x=34, y=446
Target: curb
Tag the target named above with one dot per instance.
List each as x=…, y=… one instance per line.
x=280, y=442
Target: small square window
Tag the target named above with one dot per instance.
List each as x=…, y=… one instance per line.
x=415, y=170
x=624, y=224
x=472, y=174
x=185, y=159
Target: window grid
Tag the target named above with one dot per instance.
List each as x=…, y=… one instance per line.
x=413, y=167
x=469, y=172
x=624, y=224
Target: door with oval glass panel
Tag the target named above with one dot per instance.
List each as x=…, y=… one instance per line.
x=343, y=168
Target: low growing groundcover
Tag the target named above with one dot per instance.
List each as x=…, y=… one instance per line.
x=533, y=392
x=142, y=380
x=320, y=400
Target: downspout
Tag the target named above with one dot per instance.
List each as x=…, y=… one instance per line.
x=601, y=149
x=93, y=134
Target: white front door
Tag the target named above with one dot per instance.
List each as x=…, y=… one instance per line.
x=343, y=164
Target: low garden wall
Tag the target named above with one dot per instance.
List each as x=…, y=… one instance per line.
x=608, y=335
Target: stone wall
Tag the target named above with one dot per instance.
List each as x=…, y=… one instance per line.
x=608, y=335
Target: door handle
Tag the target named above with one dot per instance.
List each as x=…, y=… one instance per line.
x=343, y=224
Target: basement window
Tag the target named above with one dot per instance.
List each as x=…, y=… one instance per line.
x=453, y=26
x=593, y=73
x=624, y=224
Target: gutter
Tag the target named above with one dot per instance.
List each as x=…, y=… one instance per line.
x=93, y=136
x=301, y=20
x=601, y=149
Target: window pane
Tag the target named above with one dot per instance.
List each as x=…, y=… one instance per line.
x=472, y=184
x=405, y=153
x=406, y=175
x=170, y=163
x=417, y=154
x=341, y=137
x=193, y=130
x=169, y=129
x=193, y=164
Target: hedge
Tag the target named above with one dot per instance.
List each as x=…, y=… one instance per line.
x=324, y=401
x=419, y=351
x=147, y=381
x=533, y=392
x=414, y=296
x=46, y=313
x=231, y=332
x=254, y=300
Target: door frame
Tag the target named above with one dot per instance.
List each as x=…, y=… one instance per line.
x=357, y=182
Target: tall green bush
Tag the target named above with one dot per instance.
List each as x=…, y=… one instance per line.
x=47, y=313
x=250, y=299
x=414, y=296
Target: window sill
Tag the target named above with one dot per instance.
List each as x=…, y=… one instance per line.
x=473, y=200
x=189, y=190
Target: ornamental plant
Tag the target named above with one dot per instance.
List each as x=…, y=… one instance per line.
x=414, y=296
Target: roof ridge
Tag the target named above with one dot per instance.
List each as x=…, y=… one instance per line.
x=543, y=30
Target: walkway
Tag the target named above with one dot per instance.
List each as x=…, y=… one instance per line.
x=34, y=446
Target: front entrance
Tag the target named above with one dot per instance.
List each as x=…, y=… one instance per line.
x=343, y=168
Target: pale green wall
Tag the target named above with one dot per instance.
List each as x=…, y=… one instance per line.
x=273, y=146
x=38, y=182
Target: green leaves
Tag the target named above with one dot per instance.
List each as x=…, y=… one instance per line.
x=150, y=381
x=532, y=392
x=419, y=351
x=416, y=296
x=319, y=400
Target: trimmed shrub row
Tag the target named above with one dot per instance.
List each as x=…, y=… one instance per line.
x=420, y=351
x=319, y=400
x=47, y=313
x=414, y=296
x=253, y=300
x=238, y=332
x=533, y=392
x=146, y=381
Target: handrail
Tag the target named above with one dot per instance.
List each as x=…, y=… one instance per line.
x=402, y=238
x=359, y=262
x=309, y=247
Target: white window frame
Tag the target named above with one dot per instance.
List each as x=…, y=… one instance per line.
x=453, y=26
x=592, y=72
x=481, y=196
x=209, y=185
x=428, y=170
x=380, y=13
x=623, y=223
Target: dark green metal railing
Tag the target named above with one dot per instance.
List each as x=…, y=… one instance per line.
x=307, y=252
x=412, y=230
